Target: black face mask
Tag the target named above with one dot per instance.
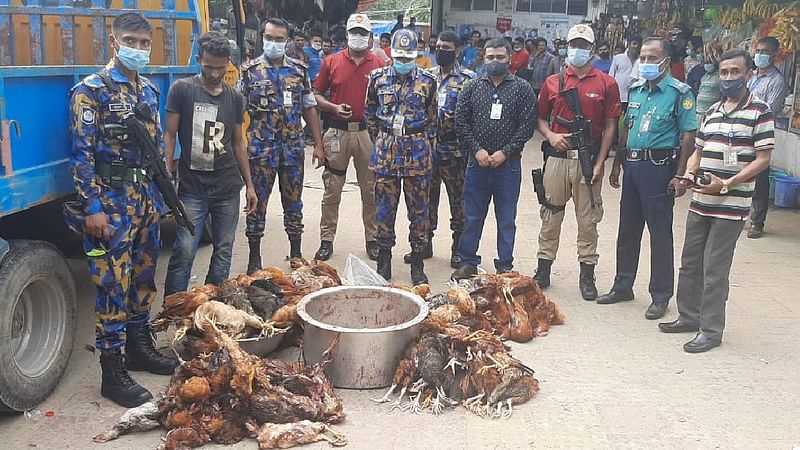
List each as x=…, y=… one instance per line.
x=496, y=68
x=445, y=57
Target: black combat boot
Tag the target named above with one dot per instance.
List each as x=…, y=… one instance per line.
x=254, y=261
x=141, y=353
x=418, y=269
x=325, y=251
x=426, y=252
x=295, y=251
x=385, y=263
x=117, y=385
x=455, y=258
x=586, y=282
x=372, y=250
x=542, y=275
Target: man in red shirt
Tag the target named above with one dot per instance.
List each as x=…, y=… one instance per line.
x=520, y=57
x=599, y=102
x=345, y=75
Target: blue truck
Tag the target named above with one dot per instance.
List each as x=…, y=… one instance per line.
x=46, y=47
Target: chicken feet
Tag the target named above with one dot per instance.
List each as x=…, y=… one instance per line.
x=386, y=396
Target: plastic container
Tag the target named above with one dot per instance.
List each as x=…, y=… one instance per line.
x=786, y=192
x=774, y=173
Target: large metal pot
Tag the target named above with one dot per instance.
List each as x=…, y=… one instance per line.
x=375, y=323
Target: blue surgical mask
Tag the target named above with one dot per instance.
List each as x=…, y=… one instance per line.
x=761, y=60
x=274, y=50
x=578, y=57
x=650, y=71
x=133, y=58
x=403, y=68
x=562, y=52
x=709, y=67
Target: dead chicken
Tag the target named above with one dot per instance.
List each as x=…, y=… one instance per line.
x=434, y=360
x=231, y=292
x=264, y=302
x=404, y=376
x=233, y=321
x=184, y=437
x=141, y=418
x=271, y=435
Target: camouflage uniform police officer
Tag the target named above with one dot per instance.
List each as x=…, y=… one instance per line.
x=119, y=209
x=449, y=157
x=400, y=115
x=277, y=92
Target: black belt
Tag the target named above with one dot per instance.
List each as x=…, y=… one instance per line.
x=348, y=126
x=338, y=172
x=569, y=154
x=118, y=172
x=656, y=155
x=407, y=131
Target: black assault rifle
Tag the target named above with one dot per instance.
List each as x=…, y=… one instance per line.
x=153, y=163
x=581, y=137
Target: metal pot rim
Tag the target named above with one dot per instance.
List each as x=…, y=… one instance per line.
x=423, y=310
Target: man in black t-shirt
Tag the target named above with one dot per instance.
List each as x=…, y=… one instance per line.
x=207, y=115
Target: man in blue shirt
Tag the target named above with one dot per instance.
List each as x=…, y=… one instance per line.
x=312, y=51
x=660, y=127
x=602, y=60
x=470, y=52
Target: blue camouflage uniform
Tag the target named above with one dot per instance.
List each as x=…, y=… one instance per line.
x=124, y=275
x=655, y=120
x=449, y=158
x=401, y=155
x=276, y=99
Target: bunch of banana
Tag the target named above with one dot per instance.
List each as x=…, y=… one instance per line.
x=732, y=18
x=787, y=28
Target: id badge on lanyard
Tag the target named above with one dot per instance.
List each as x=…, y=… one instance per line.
x=497, y=111
x=730, y=157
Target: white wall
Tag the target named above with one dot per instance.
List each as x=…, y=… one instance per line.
x=786, y=155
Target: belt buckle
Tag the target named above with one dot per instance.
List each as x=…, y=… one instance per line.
x=572, y=154
x=353, y=126
x=634, y=155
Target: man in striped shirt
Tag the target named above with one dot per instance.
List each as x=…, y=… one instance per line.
x=733, y=146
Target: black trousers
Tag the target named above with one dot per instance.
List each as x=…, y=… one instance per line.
x=758, y=215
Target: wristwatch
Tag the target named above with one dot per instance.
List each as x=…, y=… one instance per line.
x=724, y=189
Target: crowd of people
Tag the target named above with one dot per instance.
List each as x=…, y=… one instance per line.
x=462, y=122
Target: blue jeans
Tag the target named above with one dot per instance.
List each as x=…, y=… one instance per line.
x=224, y=214
x=481, y=186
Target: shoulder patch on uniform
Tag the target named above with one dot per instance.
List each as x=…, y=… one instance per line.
x=93, y=81
x=378, y=72
x=146, y=81
x=250, y=63
x=425, y=72
x=297, y=62
x=468, y=73
x=87, y=115
x=679, y=85
x=687, y=103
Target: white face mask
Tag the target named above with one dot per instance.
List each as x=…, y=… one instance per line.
x=316, y=47
x=357, y=42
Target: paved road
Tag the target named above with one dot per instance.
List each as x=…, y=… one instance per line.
x=609, y=379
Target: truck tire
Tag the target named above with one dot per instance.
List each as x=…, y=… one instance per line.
x=37, y=323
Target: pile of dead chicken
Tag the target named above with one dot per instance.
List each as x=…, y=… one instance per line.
x=260, y=304
x=461, y=357
x=229, y=395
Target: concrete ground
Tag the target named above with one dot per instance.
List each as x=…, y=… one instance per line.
x=609, y=378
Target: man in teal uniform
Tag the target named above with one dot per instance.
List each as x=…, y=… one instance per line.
x=660, y=127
